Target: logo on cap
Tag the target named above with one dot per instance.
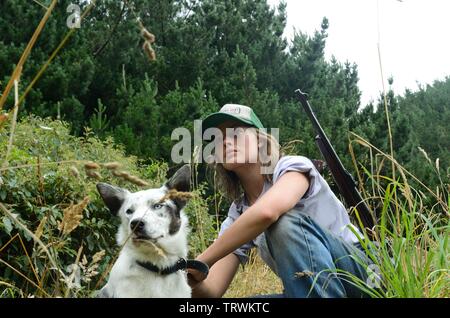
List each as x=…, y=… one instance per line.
x=240, y=110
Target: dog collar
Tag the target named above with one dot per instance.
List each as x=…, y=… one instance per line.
x=181, y=264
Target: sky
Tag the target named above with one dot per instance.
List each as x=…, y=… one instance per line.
x=413, y=37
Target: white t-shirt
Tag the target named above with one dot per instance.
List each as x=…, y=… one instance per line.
x=319, y=202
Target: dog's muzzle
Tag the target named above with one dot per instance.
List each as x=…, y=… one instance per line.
x=139, y=233
x=137, y=226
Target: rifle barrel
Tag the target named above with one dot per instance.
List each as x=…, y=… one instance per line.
x=344, y=180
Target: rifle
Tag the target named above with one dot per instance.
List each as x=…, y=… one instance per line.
x=344, y=180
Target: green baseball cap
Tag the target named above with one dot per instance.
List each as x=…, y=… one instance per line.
x=236, y=112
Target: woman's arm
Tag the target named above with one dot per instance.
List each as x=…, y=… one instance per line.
x=218, y=280
x=280, y=198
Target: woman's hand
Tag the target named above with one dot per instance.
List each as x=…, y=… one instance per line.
x=219, y=278
x=195, y=277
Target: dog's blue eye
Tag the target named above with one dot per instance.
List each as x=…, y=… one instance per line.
x=157, y=206
x=129, y=211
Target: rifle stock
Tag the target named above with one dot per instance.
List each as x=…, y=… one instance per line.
x=344, y=180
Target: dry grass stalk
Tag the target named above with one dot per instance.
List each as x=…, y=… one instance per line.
x=40, y=164
x=40, y=4
x=26, y=53
x=55, y=52
x=391, y=144
x=71, y=281
x=13, y=218
x=157, y=249
x=90, y=270
x=74, y=171
x=14, y=119
x=149, y=39
x=111, y=165
x=22, y=275
x=137, y=181
x=17, y=236
x=91, y=165
x=98, y=257
x=303, y=274
x=425, y=154
x=147, y=47
x=93, y=174
x=72, y=216
x=289, y=147
x=128, y=177
x=174, y=194
x=124, y=174
x=404, y=170
x=118, y=173
x=40, y=228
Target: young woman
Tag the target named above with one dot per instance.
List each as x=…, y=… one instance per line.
x=302, y=231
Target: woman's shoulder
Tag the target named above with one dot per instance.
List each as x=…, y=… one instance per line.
x=294, y=159
x=292, y=163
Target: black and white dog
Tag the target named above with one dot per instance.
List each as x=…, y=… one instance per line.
x=154, y=239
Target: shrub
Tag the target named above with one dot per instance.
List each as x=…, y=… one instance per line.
x=56, y=234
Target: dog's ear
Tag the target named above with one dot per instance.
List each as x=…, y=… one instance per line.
x=112, y=196
x=181, y=180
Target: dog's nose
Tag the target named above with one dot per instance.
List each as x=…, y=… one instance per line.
x=137, y=225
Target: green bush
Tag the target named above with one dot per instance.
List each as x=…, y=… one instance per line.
x=45, y=175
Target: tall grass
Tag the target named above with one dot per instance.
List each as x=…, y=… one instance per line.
x=26, y=53
x=409, y=248
x=410, y=251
